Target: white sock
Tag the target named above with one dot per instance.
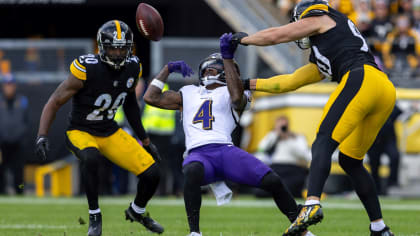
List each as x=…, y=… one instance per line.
x=311, y=202
x=138, y=209
x=377, y=226
x=95, y=211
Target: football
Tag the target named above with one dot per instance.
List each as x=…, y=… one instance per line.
x=149, y=22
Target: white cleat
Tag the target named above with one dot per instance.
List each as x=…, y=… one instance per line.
x=308, y=233
x=195, y=234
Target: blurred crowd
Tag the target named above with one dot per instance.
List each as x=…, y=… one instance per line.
x=391, y=28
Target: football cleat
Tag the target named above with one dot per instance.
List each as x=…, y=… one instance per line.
x=385, y=232
x=309, y=215
x=95, y=224
x=143, y=219
x=195, y=234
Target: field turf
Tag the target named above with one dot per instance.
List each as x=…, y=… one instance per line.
x=244, y=216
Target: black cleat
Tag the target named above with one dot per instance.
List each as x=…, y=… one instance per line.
x=95, y=224
x=309, y=215
x=385, y=232
x=143, y=219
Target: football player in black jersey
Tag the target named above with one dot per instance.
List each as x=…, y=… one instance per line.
x=99, y=84
x=355, y=111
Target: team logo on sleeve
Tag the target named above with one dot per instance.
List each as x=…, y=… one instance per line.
x=130, y=82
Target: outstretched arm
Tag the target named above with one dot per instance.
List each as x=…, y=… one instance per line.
x=61, y=95
x=306, y=74
x=168, y=99
x=293, y=31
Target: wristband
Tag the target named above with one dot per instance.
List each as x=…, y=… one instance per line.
x=157, y=83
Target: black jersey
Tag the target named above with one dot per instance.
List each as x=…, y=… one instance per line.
x=104, y=90
x=340, y=49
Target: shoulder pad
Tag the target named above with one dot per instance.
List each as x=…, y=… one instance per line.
x=315, y=10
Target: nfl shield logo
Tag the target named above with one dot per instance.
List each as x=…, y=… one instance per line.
x=130, y=82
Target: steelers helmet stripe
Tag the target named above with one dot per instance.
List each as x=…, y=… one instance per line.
x=321, y=7
x=118, y=26
x=77, y=71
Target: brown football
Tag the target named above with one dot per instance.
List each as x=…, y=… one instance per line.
x=149, y=22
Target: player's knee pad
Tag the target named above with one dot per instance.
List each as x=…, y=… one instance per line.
x=271, y=182
x=89, y=157
x=323, y=147
x=349, y=164
x=151, y=174
x=193, y=172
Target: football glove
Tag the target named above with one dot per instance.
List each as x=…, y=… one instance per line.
x=180, y=67
x=237, y=37
x=42, y=147
x=152, y=149
x=227, y=48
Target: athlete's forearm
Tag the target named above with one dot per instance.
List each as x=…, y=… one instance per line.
x=234, y=84
x=168, y=99
x=132, y=112
x=47, y=116
x=163, y=74
x=307, y=74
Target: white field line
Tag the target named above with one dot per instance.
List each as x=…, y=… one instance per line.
x=206, y=202
x=34, y=226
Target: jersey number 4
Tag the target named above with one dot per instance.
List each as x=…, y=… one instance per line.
x=104, y=103
x=204, y=115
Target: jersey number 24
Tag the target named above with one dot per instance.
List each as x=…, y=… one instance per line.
x=204, y=115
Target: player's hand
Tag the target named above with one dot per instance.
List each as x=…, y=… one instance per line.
x=42, y=147
x=180, y=67
x=227, y=48
x=237, y=37
x=152, y=149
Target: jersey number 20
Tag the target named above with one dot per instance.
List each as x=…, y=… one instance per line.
x=104, y=103
x=204, y=115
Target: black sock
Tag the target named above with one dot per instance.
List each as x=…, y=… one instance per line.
x=322, y=150
x=147, y=185
x=363, y=184
x=282, y=197
x=89, y=168
x=194, y=175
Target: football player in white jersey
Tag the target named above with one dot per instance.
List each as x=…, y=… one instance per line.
x=210, y=112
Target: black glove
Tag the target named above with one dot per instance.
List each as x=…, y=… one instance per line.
x=237, y=37
x=42, y=147
x=152, y=149
x=245, y=84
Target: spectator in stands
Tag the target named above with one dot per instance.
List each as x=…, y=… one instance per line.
x=386, y=143
x=416, y=16
x=401, y=49
x=380, y=27
x=13, y=126
x=288, y=154
x=363, y=11
x=346, y=7
x=406, y=8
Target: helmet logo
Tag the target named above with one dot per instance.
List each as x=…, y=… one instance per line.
x=130, y=82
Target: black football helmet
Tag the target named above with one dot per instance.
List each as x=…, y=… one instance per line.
x=115, y=34
x=214, y=61
x=309, y=8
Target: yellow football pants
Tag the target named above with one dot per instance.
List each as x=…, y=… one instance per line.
x=357, y=110
x=120, y=148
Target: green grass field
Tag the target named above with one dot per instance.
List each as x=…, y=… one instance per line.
x=244, y=216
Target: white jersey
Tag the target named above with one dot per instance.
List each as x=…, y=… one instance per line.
x=207, y=115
